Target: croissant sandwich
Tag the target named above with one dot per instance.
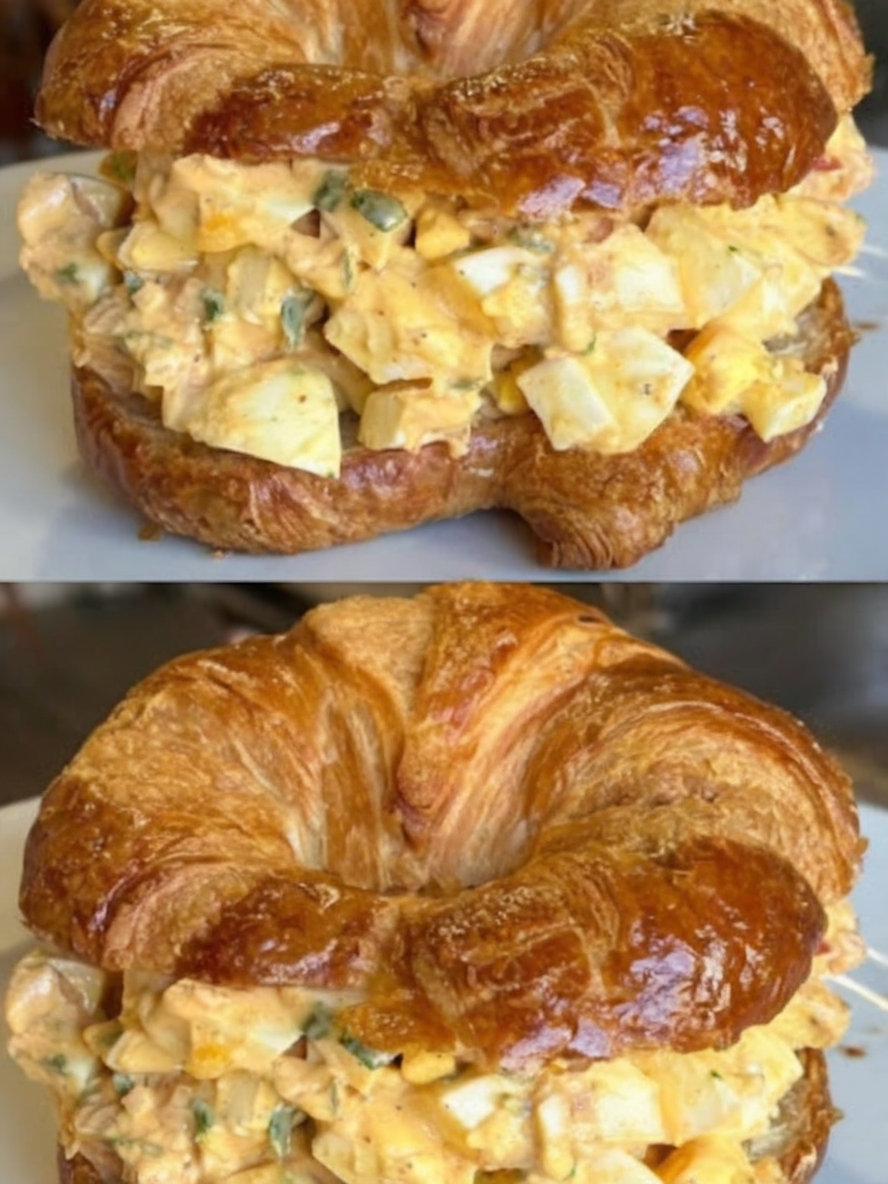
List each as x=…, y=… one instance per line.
x=467, y=888
x=355, y=266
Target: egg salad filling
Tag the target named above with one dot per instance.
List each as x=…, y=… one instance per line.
x=161, y=1081
x=258, y=304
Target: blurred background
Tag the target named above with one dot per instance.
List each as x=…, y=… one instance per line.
x=26, y=27
x=68, y=653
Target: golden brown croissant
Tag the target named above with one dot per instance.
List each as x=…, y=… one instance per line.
x=465, y=858
x=528, y=107
x=382, y=263
x=477, y=761
x=471, y=856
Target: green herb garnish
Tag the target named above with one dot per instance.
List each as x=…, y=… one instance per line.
x=590, y=348
x=68, y=274
x=380, y=209
x=348, y=271
x=370, y=1058
x=280, y=1130
x=203, y=1118
x=319, y=1023
x=123, y=1084
x=121, y=167
x=132, y=282
x=214, y=305
x=531, y=240
x=330, y=192
x=293, y=310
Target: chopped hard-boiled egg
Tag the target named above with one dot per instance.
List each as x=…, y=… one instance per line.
x=439, y=232
x=626, y=279
x=395, y=330
x=710, y=1159
x=735, y=376
x=235, y=207
x=188, y=278
x=61, y=219
x=716, y=274
x=610, y=398
x=278, y=411
x=407, y=417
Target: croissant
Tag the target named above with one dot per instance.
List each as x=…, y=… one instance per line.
x=354, y=267
x=431, y=874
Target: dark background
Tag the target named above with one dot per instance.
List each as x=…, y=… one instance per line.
x=27, y=25
x=68, y=653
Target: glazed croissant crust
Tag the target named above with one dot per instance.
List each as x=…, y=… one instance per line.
x=533, y=108
x=516, y=830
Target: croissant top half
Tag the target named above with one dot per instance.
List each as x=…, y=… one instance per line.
x=517, y=831
x=530, y=106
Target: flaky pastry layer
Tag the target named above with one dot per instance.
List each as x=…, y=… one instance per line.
x=533, y=108
x=482, y=809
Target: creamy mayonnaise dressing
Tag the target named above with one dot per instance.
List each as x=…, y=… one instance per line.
x=256, y=303
x=179, y=1082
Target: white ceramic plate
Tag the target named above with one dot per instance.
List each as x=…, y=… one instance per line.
x=856, y=1153
x=820, y=517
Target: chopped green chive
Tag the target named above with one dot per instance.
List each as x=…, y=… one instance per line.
x=348, y=271
x=293, y=309
x=318, y=1024
x=132, y=282
x=380, y=209
x=590, y=348
x=280, y=1130
x=122, y=167
x=123, y=1084
x=58, y=1063
x=214, y=305
x=203, y=1117
x=330, y=192
x=68, y=274
x=369, y=1057
x=531, y=240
